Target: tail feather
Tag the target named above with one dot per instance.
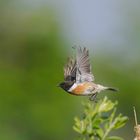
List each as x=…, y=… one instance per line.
x=112, y=89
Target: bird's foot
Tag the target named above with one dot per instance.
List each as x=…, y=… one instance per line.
x=93, y=97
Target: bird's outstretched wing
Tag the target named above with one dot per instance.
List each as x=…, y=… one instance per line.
x=83, y=71
x=70, y=70
x=79, y=70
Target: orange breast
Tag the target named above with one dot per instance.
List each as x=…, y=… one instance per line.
x=80, y=89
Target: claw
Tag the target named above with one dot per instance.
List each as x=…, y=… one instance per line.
x=93, y=97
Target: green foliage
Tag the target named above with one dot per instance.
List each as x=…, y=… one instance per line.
x=99, y=120
x=33, y=51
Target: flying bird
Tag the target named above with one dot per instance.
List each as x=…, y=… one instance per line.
x=78, y=77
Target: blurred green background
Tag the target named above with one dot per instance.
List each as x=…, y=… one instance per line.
x=34, y=45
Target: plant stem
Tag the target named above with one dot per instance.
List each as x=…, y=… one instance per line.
x=107, y=131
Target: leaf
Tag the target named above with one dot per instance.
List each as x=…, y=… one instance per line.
x=79, y=126
x=100, y=133
x=99, y=120
x=106, y=105
x=120, y=121
x=96, y=124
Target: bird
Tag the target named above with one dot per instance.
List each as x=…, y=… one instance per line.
x=78, y=76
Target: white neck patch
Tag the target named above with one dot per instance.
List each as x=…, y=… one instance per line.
x=73, y=87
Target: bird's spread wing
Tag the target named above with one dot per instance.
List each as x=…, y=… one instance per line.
x=83, y=71
x=79, y=70
x=70, y=70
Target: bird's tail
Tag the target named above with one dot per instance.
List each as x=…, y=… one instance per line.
x=112, y=89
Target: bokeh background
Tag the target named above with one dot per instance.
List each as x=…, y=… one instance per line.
x=36, y=37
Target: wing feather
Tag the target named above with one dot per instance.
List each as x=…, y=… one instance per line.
x=70, y=70
x=83, y=66
x=79, y=70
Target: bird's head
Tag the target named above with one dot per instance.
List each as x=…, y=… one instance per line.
x=62, y=85
x=66, y=85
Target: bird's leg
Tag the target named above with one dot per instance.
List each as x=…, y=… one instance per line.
x=93, y=97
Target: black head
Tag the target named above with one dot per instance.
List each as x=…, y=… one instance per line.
x=62, y=85
x=66, y=85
